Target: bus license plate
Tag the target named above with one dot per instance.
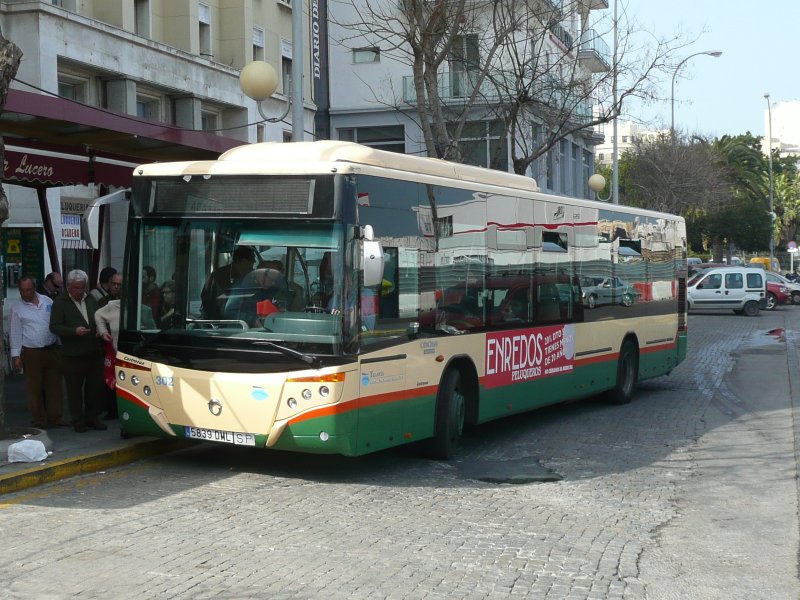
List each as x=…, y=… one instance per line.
x=215, y=435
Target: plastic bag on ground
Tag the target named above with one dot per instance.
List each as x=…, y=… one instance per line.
x=26, y=451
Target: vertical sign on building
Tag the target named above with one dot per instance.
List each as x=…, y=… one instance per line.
x=319, y=68
x=23, y=253
x=71, y=211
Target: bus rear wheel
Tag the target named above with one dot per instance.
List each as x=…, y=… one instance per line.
x=451, y=410
x=627, y=374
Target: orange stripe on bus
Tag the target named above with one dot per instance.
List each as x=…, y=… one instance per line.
x=126, y=395
x=365, y=402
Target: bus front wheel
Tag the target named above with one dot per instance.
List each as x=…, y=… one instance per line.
x=627, y=374
x=451, y=409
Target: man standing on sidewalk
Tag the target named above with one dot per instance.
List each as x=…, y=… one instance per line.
x=33, y=346
x=51, y=286
x=72, y=320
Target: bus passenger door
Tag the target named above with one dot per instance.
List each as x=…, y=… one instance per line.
x=382, y=420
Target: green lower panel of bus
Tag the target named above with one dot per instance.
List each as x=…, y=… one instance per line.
x=379, y=425
x=135, y=420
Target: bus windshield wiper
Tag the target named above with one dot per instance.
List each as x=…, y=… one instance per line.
x=314, y=361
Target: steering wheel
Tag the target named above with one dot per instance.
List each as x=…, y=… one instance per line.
x=316, y=309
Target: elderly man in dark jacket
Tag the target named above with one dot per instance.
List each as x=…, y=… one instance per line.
x=72, y=320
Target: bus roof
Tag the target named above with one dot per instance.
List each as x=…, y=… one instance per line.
x=323, y=156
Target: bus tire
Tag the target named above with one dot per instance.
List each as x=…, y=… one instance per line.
x=451, y=410
x=627, y=374
x=751, y=308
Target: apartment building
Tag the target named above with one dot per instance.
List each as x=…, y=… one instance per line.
x=785, y=128
x=628, y=133
x=373, y=98
x=108, y=84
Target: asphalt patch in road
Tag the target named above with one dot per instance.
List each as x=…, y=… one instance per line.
x=515, y=471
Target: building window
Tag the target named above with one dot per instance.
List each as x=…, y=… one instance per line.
x=67, y=4
x=464, y=60
x=258, y=43
x=73, y=87
x=148, y=107
x=563, y=161
x=209, y=120
x=142, y=22
x=286, y=74
x=204, y=18
x=444, y=226
x=483, y=144
x=366, y=55
x=588, y=167
x=386, y=137
x=601, y=156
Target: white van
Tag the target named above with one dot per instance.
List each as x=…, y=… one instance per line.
x=741, y=289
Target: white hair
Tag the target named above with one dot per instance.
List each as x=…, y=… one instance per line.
x=77, y=275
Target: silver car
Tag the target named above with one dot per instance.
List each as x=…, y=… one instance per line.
x=606, y=290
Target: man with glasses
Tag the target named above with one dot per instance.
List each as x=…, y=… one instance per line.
x=51, y=286
x=114, y=290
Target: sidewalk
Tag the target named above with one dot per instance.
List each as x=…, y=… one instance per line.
x=72, y=453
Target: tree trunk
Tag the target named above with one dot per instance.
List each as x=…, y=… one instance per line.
x=10, y=56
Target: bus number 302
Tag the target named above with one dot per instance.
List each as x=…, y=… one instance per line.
x=163, y=380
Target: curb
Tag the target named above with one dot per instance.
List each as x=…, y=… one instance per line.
x=87, y=463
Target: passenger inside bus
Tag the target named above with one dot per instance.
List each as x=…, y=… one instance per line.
x=255, y=287
x=214, y=294
x=297, y=301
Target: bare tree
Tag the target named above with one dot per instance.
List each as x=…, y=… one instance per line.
x=676, y=176
x=515, y=62
x=10, y=56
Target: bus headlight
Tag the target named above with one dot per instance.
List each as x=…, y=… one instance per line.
x=134, y=380
x=306, y=394
x=323, y=435
x=324, y=391
x=147, y=391
x=121, y=375
x=291, y=403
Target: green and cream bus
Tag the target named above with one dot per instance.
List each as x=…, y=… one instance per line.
x=329, y=297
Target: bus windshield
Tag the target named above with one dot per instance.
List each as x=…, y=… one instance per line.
x=233, y=280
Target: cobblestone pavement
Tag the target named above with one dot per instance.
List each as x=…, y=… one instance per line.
x=688, y=492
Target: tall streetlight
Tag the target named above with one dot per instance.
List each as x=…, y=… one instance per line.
x=714, y=53
x=771, y=188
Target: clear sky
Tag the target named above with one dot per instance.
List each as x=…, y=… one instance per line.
x=760, y=44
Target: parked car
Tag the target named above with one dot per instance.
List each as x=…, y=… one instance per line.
x=794, y=287
x=777, y=294
x=606, y=290
x=741, y=289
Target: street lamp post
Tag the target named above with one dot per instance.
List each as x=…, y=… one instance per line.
x=714, y=53
x=771, y=187
x=258, y=80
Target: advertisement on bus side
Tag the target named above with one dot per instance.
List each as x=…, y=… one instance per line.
x=528, y=354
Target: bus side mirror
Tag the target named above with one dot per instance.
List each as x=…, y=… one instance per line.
x=372, y=261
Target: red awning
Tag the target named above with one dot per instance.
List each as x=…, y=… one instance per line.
x=26, y=164
x=55, y=142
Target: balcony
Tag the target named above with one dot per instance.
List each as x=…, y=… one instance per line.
x=456, y=86
x=594, y=52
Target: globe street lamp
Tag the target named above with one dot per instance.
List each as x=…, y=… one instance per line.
x=714, y=53
x=771, y=188
x=259, y=81
x=597, y=183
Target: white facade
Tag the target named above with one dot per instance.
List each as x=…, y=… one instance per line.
x=372, y=96
x=627, y=133
x=785, y=128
